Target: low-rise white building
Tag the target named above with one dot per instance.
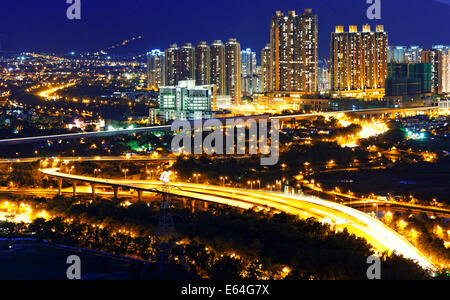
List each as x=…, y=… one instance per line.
x=186, y=101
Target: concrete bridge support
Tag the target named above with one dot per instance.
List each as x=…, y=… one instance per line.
x=60, y=182
x=192, y=203
x=74, y=186
x=140, y=193
x=116, y=192
x=93, y=187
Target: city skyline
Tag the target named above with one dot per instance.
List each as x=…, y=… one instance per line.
x=58, y=34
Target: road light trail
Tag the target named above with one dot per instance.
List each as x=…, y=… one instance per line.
x=375, y=232
x=133, y=158
x=70, y=136
x=401, y=204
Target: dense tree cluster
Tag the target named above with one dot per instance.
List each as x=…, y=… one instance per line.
x=428, y=235
x=221, y=243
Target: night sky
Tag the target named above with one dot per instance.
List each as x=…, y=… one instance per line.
x=30, y=25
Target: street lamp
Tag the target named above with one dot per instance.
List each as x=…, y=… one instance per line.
x=223, y=179
x=125, y=171
x=299, y=189
x=251, y=184
x=196, y=175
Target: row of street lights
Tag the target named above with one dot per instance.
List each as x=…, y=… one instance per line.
x=251, y=183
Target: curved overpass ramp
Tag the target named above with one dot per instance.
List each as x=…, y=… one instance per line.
x=375, y=232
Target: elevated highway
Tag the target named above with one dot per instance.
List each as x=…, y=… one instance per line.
x=363, y=113
x=379, y=235
x=402, y=207
x=131, y=158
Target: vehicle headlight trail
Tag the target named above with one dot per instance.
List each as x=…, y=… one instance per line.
x=362, y=225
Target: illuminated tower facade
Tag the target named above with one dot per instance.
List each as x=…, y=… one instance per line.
x=172, y=65
x=155, y=69
x=233, y=70
x=293, y=42
x=358, y=59
x=217, y=61
x=248, y=59
x=187, y=62
x=266, y=69
x=438, y=57
x=202, y=64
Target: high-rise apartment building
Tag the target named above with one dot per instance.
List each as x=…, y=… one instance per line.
x=187, y=62
x=179, y=64
x=202, y=64
x=438, y=57
x=324, y=77
x=266, y=69
x=446, y=73
x=155, y=69
x=248, y=59
x=435, y=58
x=172, y=65
x=397, y=54
x=403, y=54
x=293, y=40
x=233, y=70
x=358, y=58
x=445, y=68
x=413, y=55
x=251, y=84
x=217, y=61
x=251, y=79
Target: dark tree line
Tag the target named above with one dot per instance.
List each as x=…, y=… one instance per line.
x=263, y=242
